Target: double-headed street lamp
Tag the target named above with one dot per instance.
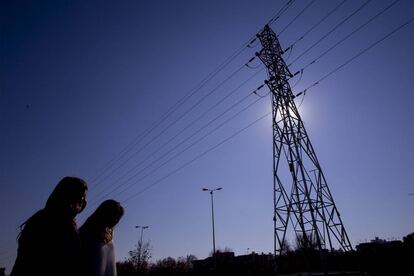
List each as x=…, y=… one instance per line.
x=140, y=246
x=212, y=215
x=142, y=231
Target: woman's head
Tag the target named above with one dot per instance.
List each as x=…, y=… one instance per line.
x=64, y=203
x=69, y=196
x=108, y=213
x=103, y=220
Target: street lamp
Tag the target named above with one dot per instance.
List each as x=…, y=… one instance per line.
x=139, y=247
x=212, y=214
x=142, y=231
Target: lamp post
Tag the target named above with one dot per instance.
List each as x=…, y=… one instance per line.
x=212, y=215
x=139, y=247
x=142, y=231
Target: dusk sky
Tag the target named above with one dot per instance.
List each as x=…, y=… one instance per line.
x=81, y=80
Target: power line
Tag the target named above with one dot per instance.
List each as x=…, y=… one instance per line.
x=188, y=147
x=281, y=12
x=315, y=25
x=194, y=121
x=174, y=107
x=366, y=2
x=297, y=16
x=203, y=114
x=351, y=33
x=176, y=120
x=357, y=55
x=196, y=158
x=140, y=137
x=284, y=8
x=331, y=31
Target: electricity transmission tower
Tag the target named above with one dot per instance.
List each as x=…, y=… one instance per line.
x=303, y=202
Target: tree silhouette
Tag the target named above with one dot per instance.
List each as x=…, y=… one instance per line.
x=219, y=250
x=305, y=242
x=169, y=266
x=140, y=256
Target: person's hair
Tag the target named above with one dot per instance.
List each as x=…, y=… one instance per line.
x=101, y=223
x=67, y=192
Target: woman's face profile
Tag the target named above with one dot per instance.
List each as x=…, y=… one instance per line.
x=79, y=205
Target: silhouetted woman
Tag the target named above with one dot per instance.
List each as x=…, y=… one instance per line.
x=49, y=243
x=96, y=235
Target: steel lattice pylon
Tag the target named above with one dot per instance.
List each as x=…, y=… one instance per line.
x=306, y=203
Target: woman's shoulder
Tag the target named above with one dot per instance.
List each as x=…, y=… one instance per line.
x=109, y=245
x=46, y=219
x=36, y=224
x=105, y=248
x=90, y=242
x=38, y=217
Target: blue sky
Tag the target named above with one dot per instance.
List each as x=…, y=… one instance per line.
x=80, y=80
